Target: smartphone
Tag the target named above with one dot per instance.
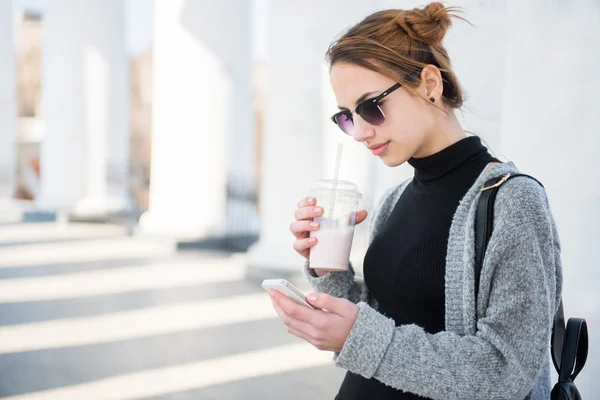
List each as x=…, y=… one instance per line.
x=286, y=288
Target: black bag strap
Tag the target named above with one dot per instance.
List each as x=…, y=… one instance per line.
x=558, y=337
x=569, y=345
x=574, y=350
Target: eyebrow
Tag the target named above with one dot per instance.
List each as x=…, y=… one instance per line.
x=361, y=98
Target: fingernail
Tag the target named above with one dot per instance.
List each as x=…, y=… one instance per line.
x=271, y=294
x=312, y=297
x=310, y=200
x=314, y=224
x=318, y=210
x=312, y=240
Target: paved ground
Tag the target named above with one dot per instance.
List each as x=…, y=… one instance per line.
x=89, y=313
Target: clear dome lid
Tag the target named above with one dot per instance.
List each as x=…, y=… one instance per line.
x=344, y=187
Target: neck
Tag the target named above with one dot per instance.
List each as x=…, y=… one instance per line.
x=446, y=132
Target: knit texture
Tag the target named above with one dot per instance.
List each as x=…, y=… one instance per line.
x=500, y=350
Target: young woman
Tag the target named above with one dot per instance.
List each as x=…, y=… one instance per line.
x=413, y=327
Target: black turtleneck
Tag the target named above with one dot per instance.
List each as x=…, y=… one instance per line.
x=404, y=266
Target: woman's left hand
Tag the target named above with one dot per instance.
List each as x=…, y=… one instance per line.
x=326, y=330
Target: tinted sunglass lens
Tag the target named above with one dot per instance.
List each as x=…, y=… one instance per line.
x=371, y=113
x=344, y=121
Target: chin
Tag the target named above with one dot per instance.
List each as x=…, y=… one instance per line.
x=392, y=158
x=391, y=162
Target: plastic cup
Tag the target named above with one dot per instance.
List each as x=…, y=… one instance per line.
x=334, y=238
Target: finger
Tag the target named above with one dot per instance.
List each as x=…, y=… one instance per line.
x=308, y=331
x=306, y=213
x=282, y=315
x=301, y=229
x=301, y=245
x=280, y=311
x=296, y=311
x=315, y=342
x=286, y=318
x=305, y=254
x=301, y=335
x=307, y=201
x=334, y=305
x=361, y=216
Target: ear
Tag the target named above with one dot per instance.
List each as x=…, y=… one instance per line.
x=432, y=84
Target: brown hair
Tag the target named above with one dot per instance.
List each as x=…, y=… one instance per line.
x=399, y=43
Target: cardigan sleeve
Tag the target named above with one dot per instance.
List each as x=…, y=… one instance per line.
x=343, y=284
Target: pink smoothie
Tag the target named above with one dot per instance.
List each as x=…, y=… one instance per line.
x=332, y=250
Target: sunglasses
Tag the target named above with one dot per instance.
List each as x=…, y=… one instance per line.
x=369, y=110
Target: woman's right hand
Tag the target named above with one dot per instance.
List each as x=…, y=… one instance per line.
x=303, y=224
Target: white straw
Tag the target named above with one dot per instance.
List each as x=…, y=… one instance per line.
x=336, y=174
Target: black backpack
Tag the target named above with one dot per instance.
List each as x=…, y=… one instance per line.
x=569, y=346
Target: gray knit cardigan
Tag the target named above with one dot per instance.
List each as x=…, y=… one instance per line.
x=499, y=350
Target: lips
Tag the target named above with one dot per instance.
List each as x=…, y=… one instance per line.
x=378, y=149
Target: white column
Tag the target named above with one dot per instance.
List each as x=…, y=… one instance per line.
x=106, y=84
x=85, y=152
x=242, y=217
x=550, y=130
x=225, y=28
x=293, y=131
x=7, y=105
x=62, y=152
x=191, y=118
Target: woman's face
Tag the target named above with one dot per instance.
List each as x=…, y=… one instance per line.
x=409, y=120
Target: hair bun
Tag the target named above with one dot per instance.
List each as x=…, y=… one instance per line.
x=427, y=25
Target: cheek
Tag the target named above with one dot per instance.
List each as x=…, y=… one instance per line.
x=406, y=130
x=402, y=126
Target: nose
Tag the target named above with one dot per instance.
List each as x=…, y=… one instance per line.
x=362, y=130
